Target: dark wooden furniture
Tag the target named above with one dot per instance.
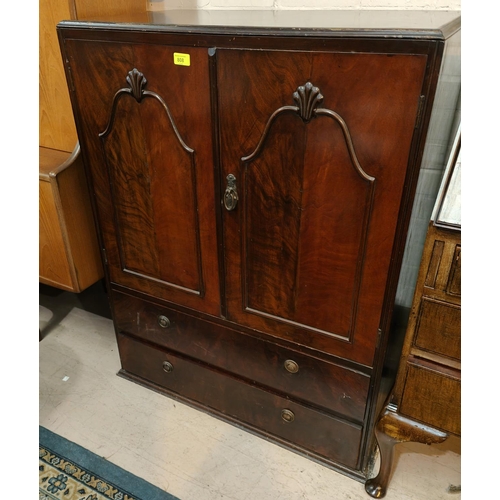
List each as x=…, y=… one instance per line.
x=425, y=405
x=253, y=184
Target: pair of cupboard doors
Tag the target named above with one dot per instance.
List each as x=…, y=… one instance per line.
x=263, y=187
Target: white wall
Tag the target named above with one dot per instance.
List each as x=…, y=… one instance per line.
x=305, y=4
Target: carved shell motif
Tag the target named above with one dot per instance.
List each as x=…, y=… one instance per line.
x=136, y=81
x=307, y=98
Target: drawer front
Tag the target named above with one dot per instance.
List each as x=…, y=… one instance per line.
x=321, y=383
x=438, y=328
x=303, y=428
x=433, y=396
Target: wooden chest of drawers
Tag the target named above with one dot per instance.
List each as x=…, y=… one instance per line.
x=253, y=187
x=430, y=384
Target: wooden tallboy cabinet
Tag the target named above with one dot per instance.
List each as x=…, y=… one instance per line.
x=252, y=185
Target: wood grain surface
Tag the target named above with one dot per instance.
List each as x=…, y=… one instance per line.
x=212, y=305
x=152, y=170
x=54, y=268
x=55, y=120
x=308, y=251
x=322, y=435
x=320, y=383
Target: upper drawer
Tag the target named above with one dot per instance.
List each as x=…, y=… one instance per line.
x=438, y=328
x=316, y=381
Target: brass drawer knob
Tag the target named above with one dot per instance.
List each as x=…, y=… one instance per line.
x=168, y=367
x=163, y=321
x=291, y=366
x=287, y=415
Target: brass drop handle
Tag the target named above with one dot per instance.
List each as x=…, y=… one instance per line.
x=287, y=415
x=163, y=321
x=231, y=194
x=168, y=367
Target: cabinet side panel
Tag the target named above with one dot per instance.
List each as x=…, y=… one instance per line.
x=53, y=260
x=445, y=116
x=81, y=232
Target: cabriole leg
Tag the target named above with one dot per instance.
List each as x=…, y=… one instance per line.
x=391, y=429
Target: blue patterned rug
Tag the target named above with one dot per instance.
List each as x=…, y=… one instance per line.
x=70, y=472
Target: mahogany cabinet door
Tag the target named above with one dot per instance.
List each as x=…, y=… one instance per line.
x=318, y=145
x=145, y=129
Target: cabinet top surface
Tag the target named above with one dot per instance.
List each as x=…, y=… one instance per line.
x=396, y=23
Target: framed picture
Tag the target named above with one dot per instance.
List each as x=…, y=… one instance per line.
x=448, y=208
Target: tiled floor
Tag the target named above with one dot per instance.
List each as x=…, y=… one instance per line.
x=182, y=450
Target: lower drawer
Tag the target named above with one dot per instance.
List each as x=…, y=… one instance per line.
x=438, y=328
x=312, y=380
x=302, y=428
x=432, y=394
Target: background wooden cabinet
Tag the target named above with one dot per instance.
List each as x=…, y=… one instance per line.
x=69, y=256
x=428, y=384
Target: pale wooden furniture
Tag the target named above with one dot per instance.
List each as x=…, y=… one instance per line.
x=56, y=124
x=69, y=256
x=69, y=253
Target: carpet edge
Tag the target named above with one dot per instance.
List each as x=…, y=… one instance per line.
x=102, y=467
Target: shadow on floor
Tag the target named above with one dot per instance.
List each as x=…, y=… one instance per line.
x=59, y=302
